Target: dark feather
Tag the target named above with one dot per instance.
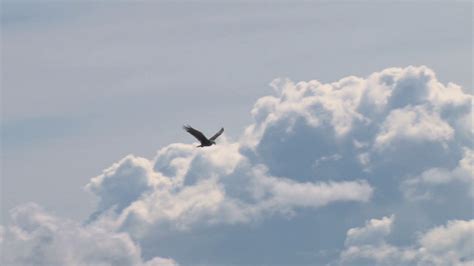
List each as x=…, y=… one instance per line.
x=196, y=133
x=217, y=134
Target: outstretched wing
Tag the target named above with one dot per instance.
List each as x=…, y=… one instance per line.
x=196, y=133
x=217, y=134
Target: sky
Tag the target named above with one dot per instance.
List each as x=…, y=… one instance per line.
x=348, y=133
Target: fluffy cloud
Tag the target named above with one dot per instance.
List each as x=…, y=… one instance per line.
x=393, y=99
x=374, y=231
x=330, y=154
x=123, y=182
x=38, y=238
x=450, y=244
x=183, y=186
x=413, y=123
x=383, y=124
x=311, y=145
x=423, y=186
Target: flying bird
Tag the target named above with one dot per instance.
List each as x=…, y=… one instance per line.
x=198, y=134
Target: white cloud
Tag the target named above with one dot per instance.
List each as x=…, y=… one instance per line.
x=286, y=192
x=450, y=244
x=311, y=144
x=413, y=123
x=365, y=142
x=123, y=182
x=402, y=102
x=374, y=231
x=38, y=238
x=422, y=187
x=212, y=185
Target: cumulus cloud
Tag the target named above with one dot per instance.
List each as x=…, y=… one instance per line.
x=449, y=244
x=374, y=231
x=392, y=100
x=123, y=182
x=423, y=186
x=311, y=145
x=413, y=123
x=386, y=121
x=38, y=238
x=334, y=153
x=185, y=186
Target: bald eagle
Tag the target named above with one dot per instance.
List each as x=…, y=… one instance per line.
x=198, y=134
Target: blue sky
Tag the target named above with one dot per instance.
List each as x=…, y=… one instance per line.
x=86, y=84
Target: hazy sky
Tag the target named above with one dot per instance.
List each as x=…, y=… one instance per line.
x=88, y=82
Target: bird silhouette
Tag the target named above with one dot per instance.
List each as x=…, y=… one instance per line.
x=199, y=136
